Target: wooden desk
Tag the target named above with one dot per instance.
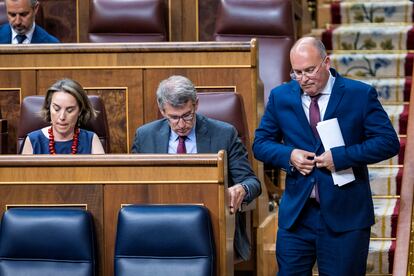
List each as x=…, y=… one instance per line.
x=102, y=183
x=126, y=76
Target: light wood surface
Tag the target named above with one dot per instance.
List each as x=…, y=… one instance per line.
x=403, y=258
x=103, y=183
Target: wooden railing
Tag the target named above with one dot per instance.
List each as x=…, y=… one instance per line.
x=403, y=260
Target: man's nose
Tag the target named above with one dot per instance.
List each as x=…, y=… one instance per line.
x=181, y=122
x=18, y=20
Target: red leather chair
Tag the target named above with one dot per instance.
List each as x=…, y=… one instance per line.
x=272, y=23
x=30, y=120
x=227, y=107
x=127, y=21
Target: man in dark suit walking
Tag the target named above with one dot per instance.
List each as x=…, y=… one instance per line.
x=182, y=130
x=22, y=28
x=319, y=220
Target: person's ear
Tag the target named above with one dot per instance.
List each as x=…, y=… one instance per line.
x=328, y=62
x=36, y=8
x=161, y=111
x=196, y=105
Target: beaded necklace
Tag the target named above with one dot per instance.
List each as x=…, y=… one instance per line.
x=75, y=141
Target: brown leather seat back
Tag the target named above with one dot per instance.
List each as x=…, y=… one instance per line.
x=30, y=120
x=227, y=107
x=272, y=23
x=127, y=21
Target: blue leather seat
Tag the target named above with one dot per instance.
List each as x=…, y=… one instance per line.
x=164, y=240
x=46, y=241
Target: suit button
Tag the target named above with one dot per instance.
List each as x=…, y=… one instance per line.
x=312, y=180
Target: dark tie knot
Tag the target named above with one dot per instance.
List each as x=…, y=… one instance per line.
x=182, y=138
x=315, y=98
x=20, y=38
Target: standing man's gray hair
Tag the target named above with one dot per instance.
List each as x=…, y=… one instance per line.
x=176, y=91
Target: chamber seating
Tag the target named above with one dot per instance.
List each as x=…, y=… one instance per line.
x=272, y=23
x=127, y=21
x=227, y=107
x=30, y=120
x=46, y=241
x=172, y=240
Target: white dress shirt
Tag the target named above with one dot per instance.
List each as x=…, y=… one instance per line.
x=29, y=36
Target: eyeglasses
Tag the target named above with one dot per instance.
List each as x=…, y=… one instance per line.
x=309, y=72
x=176, y=119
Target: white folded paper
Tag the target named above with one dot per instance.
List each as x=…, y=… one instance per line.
x=331, y=137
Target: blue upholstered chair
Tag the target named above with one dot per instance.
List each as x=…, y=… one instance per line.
x=46, y=242
x=164, y=240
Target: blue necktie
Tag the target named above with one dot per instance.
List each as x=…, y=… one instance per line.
x=20, y=38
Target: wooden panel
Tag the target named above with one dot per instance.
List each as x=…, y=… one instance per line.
x=121, y=91
x=10, y=109
x=207, y=10
x=104, y=182
x=60, y=19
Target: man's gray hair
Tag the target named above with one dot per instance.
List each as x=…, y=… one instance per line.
x=176, y=91
x=31, y=2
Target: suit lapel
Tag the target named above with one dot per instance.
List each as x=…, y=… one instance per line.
x=335, y=98
x=300, y=113
x=203, y=136
x=163, y=138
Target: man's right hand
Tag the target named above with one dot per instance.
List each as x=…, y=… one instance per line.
x=303, y=160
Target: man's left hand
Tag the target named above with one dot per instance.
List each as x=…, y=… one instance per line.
x=236, y=195
x=325, y=160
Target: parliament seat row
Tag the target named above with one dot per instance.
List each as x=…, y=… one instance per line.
x=223, y=106
x=150, y=240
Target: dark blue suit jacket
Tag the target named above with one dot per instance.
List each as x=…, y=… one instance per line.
x=39, y=35
x=369, y=138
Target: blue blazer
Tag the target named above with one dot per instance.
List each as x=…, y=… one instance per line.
x=369, y=138
x=39, y=35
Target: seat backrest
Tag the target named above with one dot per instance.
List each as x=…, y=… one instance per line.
x=127, y=21
x=271, y=22
x=227, y=107
x=46, y=241
x=30, y=120
x=164, y=240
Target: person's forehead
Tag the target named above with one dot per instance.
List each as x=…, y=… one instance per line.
x=181, y=109
x=63, y=98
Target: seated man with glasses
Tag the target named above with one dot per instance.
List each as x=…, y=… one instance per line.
x=182, y=130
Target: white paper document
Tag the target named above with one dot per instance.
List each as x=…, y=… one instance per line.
x=331, y=136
